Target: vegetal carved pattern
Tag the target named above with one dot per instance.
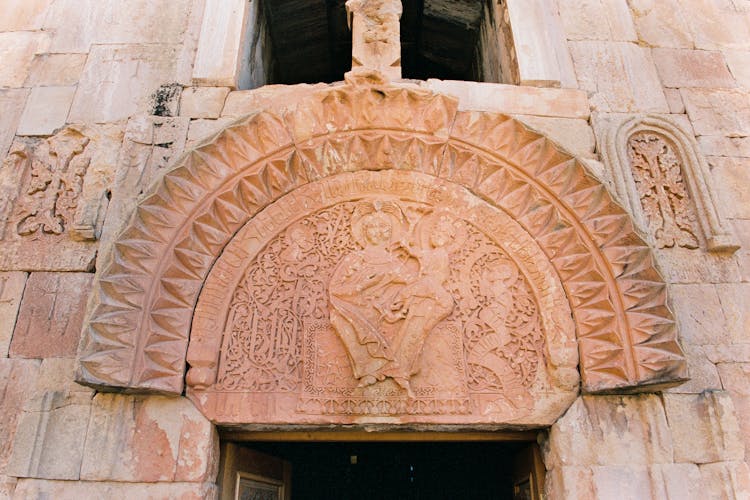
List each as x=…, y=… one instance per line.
x=54, y=184
x=657, y=172
x=137, y=333
x=433, y=272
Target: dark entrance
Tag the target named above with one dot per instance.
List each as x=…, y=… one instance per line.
x=394, y=470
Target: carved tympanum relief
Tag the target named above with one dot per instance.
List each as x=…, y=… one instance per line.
x=45, y=200
x=374, y=304
x=175, y=278
x=661, y=176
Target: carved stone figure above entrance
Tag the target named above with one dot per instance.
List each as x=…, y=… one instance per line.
x=425, y=302
x=482, y=255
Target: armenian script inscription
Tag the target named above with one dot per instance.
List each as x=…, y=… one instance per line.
x=382, y=305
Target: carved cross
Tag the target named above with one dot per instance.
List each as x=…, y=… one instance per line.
x=376, y=35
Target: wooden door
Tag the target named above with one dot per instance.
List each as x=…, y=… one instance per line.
x=528, y=474
x=246, y=474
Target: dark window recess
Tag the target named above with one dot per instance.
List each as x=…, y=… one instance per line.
x=308, y=41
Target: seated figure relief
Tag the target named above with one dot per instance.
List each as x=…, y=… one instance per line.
x=374, y=287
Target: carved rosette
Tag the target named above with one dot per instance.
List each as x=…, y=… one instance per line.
x=252, y=181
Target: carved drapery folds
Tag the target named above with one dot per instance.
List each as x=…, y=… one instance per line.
x=662, y=178
x=249, y=248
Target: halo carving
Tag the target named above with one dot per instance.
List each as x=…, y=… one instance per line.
x=137, y=333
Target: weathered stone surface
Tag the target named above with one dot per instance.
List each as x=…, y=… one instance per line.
x=12, y=102
x=718, y=111
x=51, y=315
x=54, y=195
x=149, y=144
x=677, y=482
x=11, y=290
x=674, y=100
x=739, y=65
x=619, y=77
x=27, y=15
x=701, y=315
x=726, y=480
x=56, y=69
x=597, y=20
x=201, y=130
x=15, y=377
x=703, y=373
x=46, y=110
x=109, y=79
x=203, y=102
x=735, y=302
x=716, y=25
x=721, y=145
x=735, y=378
x=376, y=41
x=67, y=490
x=610, y=430
x=50, y=437
x=570, y=482
x=704, y=427
x=17, y=51
x=622, y=482
x=511, y=99
x=680, y=265
x=661, y=23
x=245, y=102
x=728, y=353
x=150, y=439
x=732, y=176
x=219, y=47
x=573, y=135
x=692, y=68
x=77, y=24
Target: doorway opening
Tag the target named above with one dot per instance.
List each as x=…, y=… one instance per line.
x=382, y=469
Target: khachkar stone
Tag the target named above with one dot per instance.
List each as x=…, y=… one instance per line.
x=53, y=193
x=376, y=35
x=657, y=172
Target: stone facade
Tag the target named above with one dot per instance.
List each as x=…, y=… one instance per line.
x=102, y=102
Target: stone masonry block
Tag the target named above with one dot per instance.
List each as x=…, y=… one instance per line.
x=46, y=110
x=570, y=482
x=716, y=25
x=725, y=481
x=28, y=15
x=692, y=68
x=12, y=285
x=732, y=177
x=622, y=482
x=704, y=427
x=661, y=23
x=122, y=80
x=676, y=482
x=17, y=51
x=736, y=380
x=15, y=377
x=135, y=439
x=620, y=77
x=739, y=65
x=718, y=111
x=699, y=312
x=56, y=70
x=611, y=430
x=203, y=102
x=51, y=315
x=12, y=102
x=67, y=490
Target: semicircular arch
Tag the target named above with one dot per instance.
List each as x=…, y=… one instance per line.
x=137, y=333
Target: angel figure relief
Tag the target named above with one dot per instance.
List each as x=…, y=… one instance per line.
x=387, y=297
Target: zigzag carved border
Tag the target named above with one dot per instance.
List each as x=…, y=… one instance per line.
x=137, y=332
